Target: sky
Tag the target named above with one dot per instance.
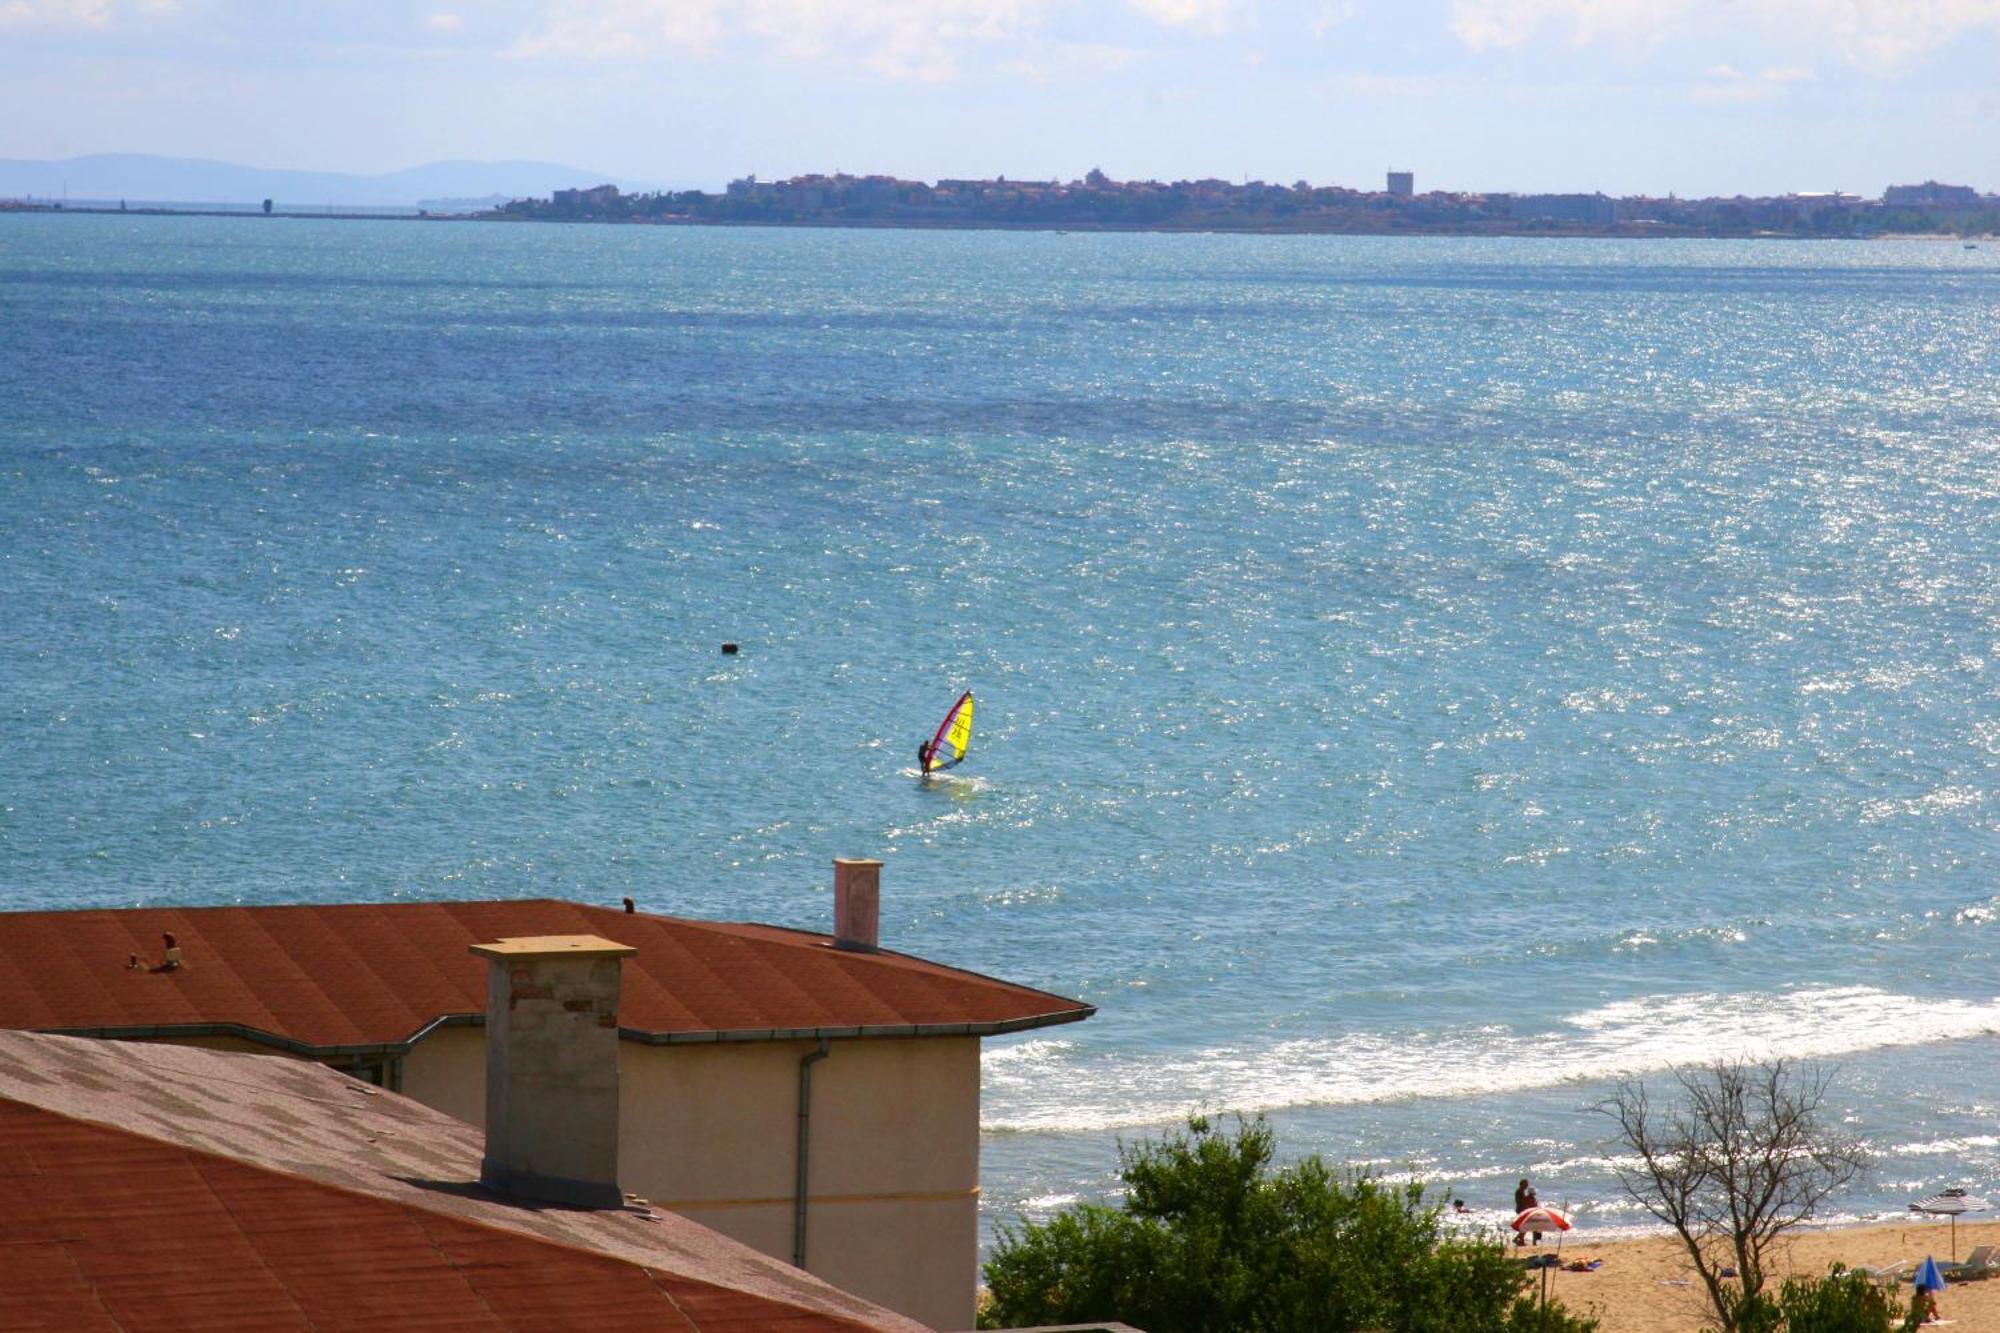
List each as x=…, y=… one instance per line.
x=1695, y=97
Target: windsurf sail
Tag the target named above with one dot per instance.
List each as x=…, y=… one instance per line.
x=954, y=736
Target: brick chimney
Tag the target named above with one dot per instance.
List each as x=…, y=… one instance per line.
x=552, y=1068
x=857, y=904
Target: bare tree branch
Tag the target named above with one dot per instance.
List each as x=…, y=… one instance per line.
x=1741, y=1157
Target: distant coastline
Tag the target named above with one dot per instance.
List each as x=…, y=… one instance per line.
x=1099, y=204
x=1578, y=231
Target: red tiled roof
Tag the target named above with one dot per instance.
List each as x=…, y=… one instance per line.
x=339, y=977
x=152, y=1186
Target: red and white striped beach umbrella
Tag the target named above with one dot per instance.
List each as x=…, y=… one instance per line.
x=1540, y=1219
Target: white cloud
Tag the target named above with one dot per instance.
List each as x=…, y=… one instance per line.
x=914, y=39
x=1726, y=83
x=1362, y=83
x=1196, y=15
x=1889, y=33
x=1331, y=15
x=923, y=40
x=613, y=28
x=79, y=13
x=1501, y=24
x=1878, y=35
x=1048, y=63
x=444, y=21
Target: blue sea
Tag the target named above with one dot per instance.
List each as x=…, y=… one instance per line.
x=1420, y=680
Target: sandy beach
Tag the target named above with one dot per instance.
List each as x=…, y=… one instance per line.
x=1638, y=1288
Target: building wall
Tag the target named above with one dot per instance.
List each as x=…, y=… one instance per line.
x=1564, y=207
x=221, y=1042
x=711, y=1131
x=446, y=1071
x=893, y=1196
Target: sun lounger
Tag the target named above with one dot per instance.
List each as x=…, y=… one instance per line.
x=1983, y=1256
x=1900, y=1271
x=1984, y=1261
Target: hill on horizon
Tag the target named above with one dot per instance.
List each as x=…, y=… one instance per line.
x=149, y=178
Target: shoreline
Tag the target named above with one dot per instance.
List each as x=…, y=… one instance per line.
x=1638, y=1289
x=1613, y=232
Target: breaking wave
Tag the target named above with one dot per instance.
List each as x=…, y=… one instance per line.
x=1053, y=1084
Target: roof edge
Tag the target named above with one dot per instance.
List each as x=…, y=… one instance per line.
x=257, y=1036
x=823, y=938
x=643, y=1037
x=638, y=1036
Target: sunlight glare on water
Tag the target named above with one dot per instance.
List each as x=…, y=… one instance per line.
x=1419, y=679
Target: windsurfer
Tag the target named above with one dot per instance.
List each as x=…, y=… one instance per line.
x=947, y=748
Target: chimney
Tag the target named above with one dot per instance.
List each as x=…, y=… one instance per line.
x=857, y=904
x=552, y=1068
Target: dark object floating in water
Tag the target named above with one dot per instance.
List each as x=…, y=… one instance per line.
x=729, y=650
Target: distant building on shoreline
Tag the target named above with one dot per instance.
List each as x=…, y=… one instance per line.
x=1591, y=209
x=1930, y=195
x=597, y=196
x=1098, y=202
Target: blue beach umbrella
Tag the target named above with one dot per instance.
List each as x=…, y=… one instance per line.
x=1928, y=1278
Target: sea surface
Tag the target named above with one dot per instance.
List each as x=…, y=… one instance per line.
x=1420, y=680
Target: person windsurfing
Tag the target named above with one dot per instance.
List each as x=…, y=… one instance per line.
x=947, y=748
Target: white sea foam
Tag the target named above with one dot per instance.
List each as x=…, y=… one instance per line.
x=1976, y=914
x=1054, y=1084
x=1958, y=1147
x=1049, y=1203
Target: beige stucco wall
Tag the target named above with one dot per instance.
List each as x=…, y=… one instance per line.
x=893, y=1204
x=711, y=1131
x=220, y=1042
x=446, y=1071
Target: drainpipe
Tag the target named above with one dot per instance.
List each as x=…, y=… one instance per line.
x=806, y=1063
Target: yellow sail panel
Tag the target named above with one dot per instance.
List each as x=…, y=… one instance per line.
x=958, y=736
x=953, y=739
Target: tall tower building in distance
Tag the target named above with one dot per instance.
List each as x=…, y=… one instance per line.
x=1402, y=184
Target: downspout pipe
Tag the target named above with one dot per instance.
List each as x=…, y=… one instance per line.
x=806, y=1063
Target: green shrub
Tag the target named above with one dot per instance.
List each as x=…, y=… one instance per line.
x=1840, y=1302
x=1211, y=1239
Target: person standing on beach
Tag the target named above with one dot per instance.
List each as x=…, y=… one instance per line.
x=1524, y=1199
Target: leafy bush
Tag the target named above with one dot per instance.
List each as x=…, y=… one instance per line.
x=1211, y=1239
x=1840, y=1302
